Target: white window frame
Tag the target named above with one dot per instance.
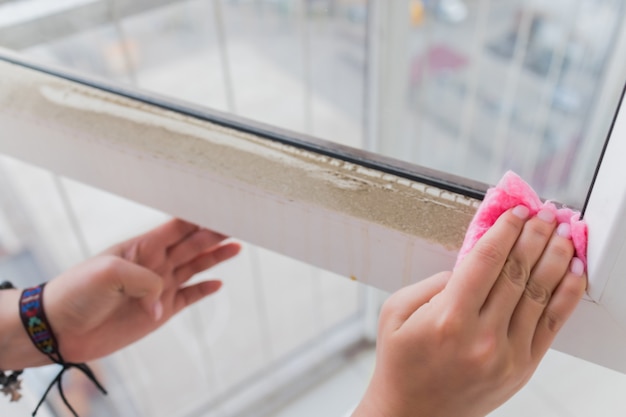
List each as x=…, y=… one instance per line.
x=378, y=221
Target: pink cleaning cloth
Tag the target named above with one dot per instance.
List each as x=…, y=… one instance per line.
x=510, y=192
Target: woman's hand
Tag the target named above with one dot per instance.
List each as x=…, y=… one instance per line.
x=121, y=295
x=461, y=343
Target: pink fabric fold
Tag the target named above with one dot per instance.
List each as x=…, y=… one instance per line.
x=510, y=192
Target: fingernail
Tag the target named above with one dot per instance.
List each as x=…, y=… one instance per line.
x=521, y=212
x=564, y=230
x=577, y=267
x=546, y=215
x=157, y=310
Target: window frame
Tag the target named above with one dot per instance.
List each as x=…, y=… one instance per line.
x=279, y=216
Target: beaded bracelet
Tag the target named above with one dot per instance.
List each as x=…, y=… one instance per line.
x=9, y=382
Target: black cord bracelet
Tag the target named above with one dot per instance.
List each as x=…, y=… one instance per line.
x=10, y=384
x=40, y=333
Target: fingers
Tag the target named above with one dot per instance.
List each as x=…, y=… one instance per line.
x=205, y=261
x=192, y=245
x=189, y=295
x=544, y=279
x=171, y=232
x=401, y=305
x=561, y=306
x=513, y=278
x=472, y=281
x=149, y=249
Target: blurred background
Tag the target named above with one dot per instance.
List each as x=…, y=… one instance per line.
x=470, y=87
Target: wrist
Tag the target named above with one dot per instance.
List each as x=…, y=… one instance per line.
x=16, y=349
x=385, y=399
x=367, y=408
x=372, y=405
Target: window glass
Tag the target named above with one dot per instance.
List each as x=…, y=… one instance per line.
x=468, y=87
x=522, y=85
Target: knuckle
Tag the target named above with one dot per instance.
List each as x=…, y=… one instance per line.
x=562, y=250
x=511, y=371
x=540, y=229
x=515, y=272
x=512, y=222
x=450, y=325
x=486, y=360
x=484, y=353
x=389, y=307
x=490, y=253
x=538, y=232
x=496, y=366
x=573, y=289
x=551, y=321
x=492, y=359
x=389, y=311
x=537, y=293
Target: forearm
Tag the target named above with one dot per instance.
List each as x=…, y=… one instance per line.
x=16, y=349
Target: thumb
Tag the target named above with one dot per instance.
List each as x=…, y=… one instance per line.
x=135, y=281
x=404, y=302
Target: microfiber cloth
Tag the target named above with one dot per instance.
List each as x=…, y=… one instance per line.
x=510, y=192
